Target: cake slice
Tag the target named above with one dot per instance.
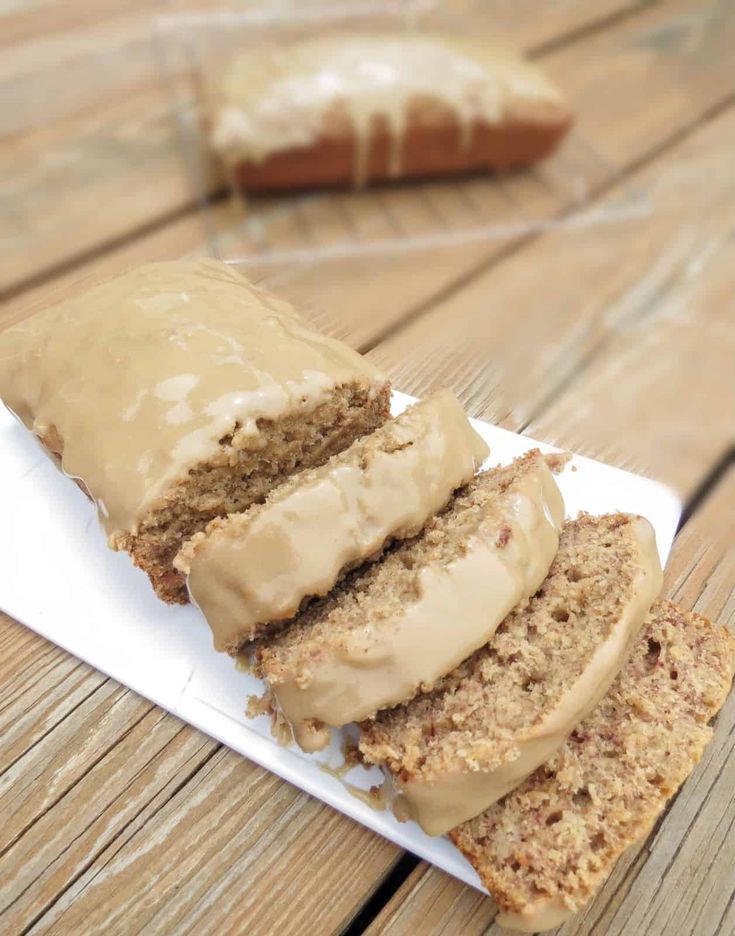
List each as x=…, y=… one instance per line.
x=180, y=392
x=544, y=850
x=507, y=708
x=252, y=570
x=395, y=627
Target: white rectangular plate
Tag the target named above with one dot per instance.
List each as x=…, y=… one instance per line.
x=58, y=577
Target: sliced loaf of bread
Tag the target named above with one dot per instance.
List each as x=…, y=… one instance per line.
x=506, y=709
x=543, y=850
x=395, y=627
x=250, y=571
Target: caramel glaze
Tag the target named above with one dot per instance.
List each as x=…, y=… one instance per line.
x=142, y=376
x=276, y=100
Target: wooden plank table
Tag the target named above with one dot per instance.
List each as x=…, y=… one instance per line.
x=617, y=340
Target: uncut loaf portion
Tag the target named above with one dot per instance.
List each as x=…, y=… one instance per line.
x=393, y=628
x=251, y=571
x=349, y=107
x=180, y=392
x=545, y=849
x=506, y=709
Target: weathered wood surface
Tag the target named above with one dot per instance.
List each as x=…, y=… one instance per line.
x=106, y=797
x=659, y=49
x=561, y=338
x=364, y=302
x=91, y=152
x=121, y=818
x=679, y=880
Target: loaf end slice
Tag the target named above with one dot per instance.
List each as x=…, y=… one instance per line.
x=233, y=479
x=545, y=849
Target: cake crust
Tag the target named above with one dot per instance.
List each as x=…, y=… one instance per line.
x=426, y=152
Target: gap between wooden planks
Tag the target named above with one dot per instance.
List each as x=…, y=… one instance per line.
x=365, y=300
x=99, y=145
x=709, y=144
x=679, y=880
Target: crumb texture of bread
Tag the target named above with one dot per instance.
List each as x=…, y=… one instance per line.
x=544, y=850
x=235, y=480
x=443, y=104
x=393, y=628
x=251, y=571
x=178, y=392
x=504, y=711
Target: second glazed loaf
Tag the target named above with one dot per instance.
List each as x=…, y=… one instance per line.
x=354, y=108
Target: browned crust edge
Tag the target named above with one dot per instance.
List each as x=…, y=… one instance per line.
x=427, y=151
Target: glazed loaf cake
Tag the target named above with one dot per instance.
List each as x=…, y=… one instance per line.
x=251, y=571
x=455, y=751
x=544, y=850
x=178, y=393
x=352, y=108
x=397, y=626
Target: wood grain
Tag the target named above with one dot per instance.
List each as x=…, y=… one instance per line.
x=583, y=338
x=86, y=768
x=128, y=775
x=680, y=879
x=90, y=129
x=26, y=20
x=664, y=384
x=233, y=850
x=363, y=301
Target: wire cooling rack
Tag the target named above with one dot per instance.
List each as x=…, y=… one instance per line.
x=388, y=218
